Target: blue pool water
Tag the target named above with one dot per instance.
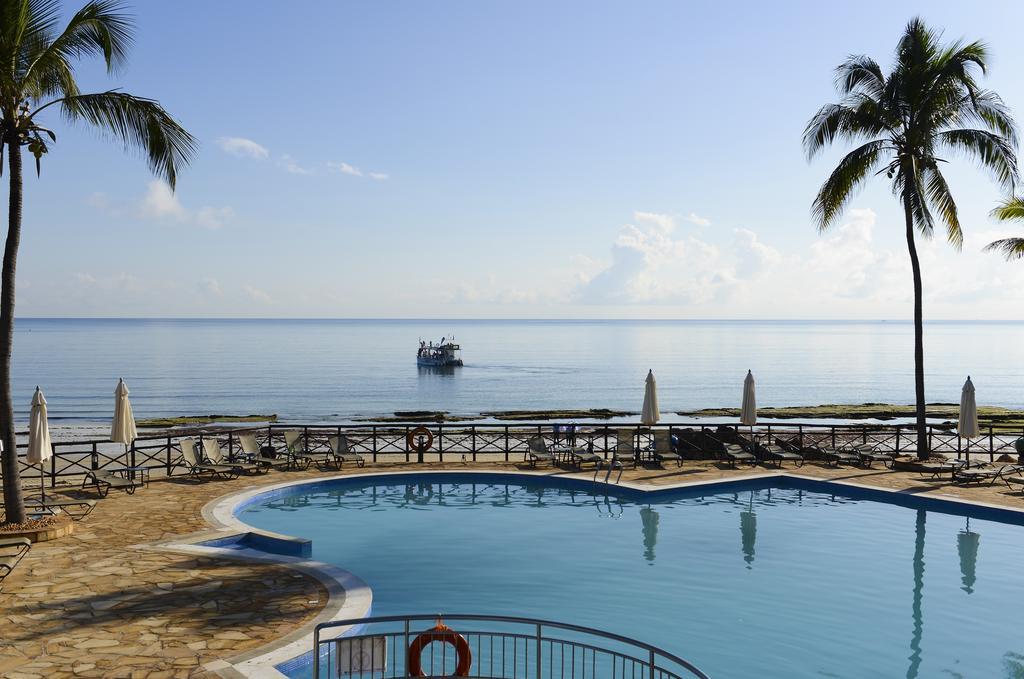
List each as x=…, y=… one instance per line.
x=765, y=581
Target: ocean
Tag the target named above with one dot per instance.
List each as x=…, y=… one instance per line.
x=335, y=370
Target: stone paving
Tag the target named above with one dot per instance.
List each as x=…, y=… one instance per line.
x=104, y=603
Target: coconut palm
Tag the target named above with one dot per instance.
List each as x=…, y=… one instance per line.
x=37, y=80
x=1013, y=248
x=929, y=103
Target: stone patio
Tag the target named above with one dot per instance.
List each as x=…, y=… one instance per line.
x=104, y=603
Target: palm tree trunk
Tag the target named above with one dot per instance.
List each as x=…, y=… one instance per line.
x=915, y=265
x=13, y=502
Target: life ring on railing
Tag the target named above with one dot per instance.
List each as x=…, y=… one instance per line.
x=411, y=439
x=444, y=634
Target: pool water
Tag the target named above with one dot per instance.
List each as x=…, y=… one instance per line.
x=766, y=581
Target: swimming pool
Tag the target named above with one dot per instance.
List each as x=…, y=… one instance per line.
x=769, y=578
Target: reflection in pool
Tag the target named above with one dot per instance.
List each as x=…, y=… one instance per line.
x=767, y=582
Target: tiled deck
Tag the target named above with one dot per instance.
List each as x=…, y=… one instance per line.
x=100, y=603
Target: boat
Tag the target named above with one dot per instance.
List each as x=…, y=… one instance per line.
x=447, y=354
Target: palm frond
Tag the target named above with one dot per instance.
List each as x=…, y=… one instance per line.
x=856, y=119
x=1012, y=248
x=861, y=74
x=851, y=172
x=939, y=195
x=139, y=123
x=992, y=151
x=100, y=28
x=1012, y=209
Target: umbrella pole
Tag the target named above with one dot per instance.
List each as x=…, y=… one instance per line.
x=42, y=485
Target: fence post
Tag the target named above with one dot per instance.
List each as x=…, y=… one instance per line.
x=53, y=471
x=440, y=443
x=473, y=441
x=169, y=453
x=540, y=666
x=373, y=435
x=991, y=444
x=898, y=430
x=506, y=443
x=833, y=428
x=133, y=457
x=231, y=445
x=95, y=461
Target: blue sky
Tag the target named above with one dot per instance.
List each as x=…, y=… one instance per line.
x=501, y=159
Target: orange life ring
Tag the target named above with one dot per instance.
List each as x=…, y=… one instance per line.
x=444, y=634
x=411, y=442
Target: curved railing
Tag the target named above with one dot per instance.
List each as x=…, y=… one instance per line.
x=501, y=647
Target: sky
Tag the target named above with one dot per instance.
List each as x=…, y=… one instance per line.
x=512, y=159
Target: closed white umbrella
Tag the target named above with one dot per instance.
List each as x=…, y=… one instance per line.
x=650, y=413
x=968, y=423
x=39, y=447
x=748, y=413
x=123, y=428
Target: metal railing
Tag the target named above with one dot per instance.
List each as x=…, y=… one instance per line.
x=454, y=442
x=492, y=647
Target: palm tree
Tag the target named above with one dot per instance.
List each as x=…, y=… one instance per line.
x=37, y=76
x=929, y=103
x=1013, y=248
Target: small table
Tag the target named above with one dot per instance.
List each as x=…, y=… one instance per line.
x=130, y=472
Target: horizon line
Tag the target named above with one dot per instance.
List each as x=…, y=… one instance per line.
x=511, y=319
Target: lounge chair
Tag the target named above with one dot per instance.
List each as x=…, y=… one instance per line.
x=537, y=451
x=343, y=453
x=103, y=480
x=869, y=454
x=730, y=452
x=662, y=450
x=215, y=456
x=581, y=455
x=832, y=456
x=771, y=451
x=295, y=443
x=76, y=509
x=12, y=551
x=197, y=467
x=252, y=450
x=937, y=469
x=990, y=473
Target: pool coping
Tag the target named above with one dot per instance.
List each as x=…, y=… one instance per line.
x=348, y=596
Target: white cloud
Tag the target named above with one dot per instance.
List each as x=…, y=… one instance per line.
x=694, y=218
x=379, y=176
x=344, y=168
x=293, y=167
x=242, y=147
x=211, y=286
x=214, y=217
x=161, y=202
x=85, y=278
x=258, y=295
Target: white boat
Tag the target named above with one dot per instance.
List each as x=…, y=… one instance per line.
x=447, y=354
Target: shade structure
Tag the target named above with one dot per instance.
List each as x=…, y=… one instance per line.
x=748, y=413
x=39, y=447
x=968, y=423
x=123, y=428
x=650, y=413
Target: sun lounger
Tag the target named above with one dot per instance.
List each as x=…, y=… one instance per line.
x=771, y=451
x=990, y=473
x=836, y=457
x=343, y=453
x=869, y=454
x=730, y=452
x=663, y=449
x=1012, y=481
x=252, y=450
x=295, y=443
x=937, y=469
x=581, y=455
x=537, y=451
x=76, y=509
x=103, y=480
x=215, y=456
x=197, y=468
x=12, y=551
